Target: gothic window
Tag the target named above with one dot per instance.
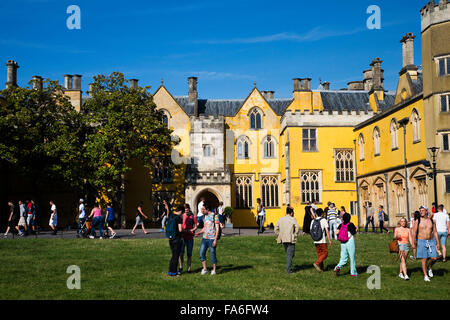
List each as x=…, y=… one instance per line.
x=344, y=165
x=394, y=134
x=165, y=117
x=162, y=171
x=256, y=119
x=244, y=192
x=269, y=147
x=415, y=121
x=243, y=148
x=207, y=151
x=361, y=146
x=399, y=197
x=270, y=191
x=309, y=139
x=376, y=141
x=311, y=186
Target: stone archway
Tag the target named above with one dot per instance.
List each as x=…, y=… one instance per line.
x=211, y=197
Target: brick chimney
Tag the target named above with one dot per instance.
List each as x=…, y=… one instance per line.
x=306, y=84
x=377, y=74
x=37, y=83
x=408, y=49
x=11, y=79
x=193, y=94
x=73, y=90
x=356, y=85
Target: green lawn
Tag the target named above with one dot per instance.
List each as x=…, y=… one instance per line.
x=249, y=268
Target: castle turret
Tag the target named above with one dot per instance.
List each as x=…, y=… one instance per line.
x=11, y=79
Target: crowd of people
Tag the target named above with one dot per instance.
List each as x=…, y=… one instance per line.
x=427, y=233
x=22, y=217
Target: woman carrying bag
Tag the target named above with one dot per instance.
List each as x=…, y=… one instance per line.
x=403, y=235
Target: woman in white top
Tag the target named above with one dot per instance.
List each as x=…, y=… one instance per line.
x=261, y=217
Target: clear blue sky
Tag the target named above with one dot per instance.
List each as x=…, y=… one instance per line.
x=227, y=44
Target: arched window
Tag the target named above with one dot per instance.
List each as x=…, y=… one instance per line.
x=256, y=117
x=361, y=146
x=243, y=148
x=166, y=121
x=394, y=134
x=376, y=141
x=269, y=147
x=415, y=121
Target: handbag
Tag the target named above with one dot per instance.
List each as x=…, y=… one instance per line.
x=393, y=249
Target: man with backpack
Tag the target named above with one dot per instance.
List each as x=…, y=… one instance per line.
x=347, y=231
x=319, y=233
x=287, y=230
x=174, y=227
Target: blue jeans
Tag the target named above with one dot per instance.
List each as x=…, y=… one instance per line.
x=348, y=251
x=205, y=245
x=188, y=245
x=98, y=221
x=370, y=220
x=333, y=228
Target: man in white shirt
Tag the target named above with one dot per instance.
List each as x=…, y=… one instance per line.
x=53, y=217
x=443, y=228
x=81, y=214
x=200, y=212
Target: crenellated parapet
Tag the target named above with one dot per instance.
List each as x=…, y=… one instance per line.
x=434, y=13
x=344, y=118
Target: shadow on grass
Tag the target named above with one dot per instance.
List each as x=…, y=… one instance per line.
x=436, y=272
x=225, y=269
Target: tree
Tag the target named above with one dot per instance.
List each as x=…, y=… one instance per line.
x=39, y=135
x=124, y=125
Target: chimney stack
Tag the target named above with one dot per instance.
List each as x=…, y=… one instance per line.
x=91, y=85
x=134, y=84
x=297, y=84
x=306, y=84
x=367, y=79
x=408, y=49
x=68, y=81
x=326, y=85
x=77, y=82
x=11, y=80
x=270, y=95
x=193, y=94
x=377, y=74
x=37, y=83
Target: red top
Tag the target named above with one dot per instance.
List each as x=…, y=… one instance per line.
x=189, y=221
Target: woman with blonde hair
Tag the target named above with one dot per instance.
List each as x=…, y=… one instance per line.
x=403, y=235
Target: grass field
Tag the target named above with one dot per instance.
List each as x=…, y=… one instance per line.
x=248, y=268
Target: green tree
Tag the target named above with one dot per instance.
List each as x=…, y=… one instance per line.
x=124, y=126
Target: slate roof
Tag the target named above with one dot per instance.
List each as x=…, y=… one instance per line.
x=227, y=107
x=345, y=100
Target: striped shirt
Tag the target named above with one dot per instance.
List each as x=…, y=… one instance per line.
x=332, y=214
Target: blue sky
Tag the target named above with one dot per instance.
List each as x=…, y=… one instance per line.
x=227, y=44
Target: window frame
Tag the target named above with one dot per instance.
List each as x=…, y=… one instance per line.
x=394, y=134
x=309, y=139
x=250, y=198
x=244, y=141
x=415, y=124
x=319, y=191
x=343, y=171
x=376, y=141
x=361, y=145
x=276, y=192
x=446, y=60
x=254, y=112
x=447, y=95
x=269, y=140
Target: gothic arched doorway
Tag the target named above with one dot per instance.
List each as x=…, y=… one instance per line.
x=210, y=198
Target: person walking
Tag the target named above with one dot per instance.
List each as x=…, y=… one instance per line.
x=165, y=215
x=415, y=220
x=346, y=236
x=190, y=224
x=442, y=222
x=220, y=212
x=174, y=229
x=139, y=218
x=261, y=216
x=287, y=230
x=33, y=210
x=22, y=219
x=200, y=213
x=210, y=232
x=110, y=218
x=12, y=220
x=309, y=216
x=53, y=223
x=427, y=242
x=369, y=217
x=320, y=233
x=332, y=217
x=382, y=218
x=403, y=235
x=96, y=214
x=81, y=214
x=342, y=211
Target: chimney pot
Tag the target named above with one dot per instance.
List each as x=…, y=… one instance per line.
x=326, y=85
x=306, y=84
x=408, y=49
x=297, y=84
x=356, y=85
x=193, y=94
x=134, y=84
x=76, y=82
x=37, y=83
x=68, y=81
x=377, y=74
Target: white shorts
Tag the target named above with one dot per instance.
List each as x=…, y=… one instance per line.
x=22, y=222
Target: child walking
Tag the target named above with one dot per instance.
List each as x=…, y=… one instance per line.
x=346, y=236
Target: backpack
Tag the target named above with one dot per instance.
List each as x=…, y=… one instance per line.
x=171, y=227
x=385, y=216
x=316, y=230
x=343, y=233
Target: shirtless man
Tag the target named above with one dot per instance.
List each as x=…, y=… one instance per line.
x=427, y=242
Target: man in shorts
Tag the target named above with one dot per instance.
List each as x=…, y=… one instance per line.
x=427, y=242
x=22, y=219
x=12, y=220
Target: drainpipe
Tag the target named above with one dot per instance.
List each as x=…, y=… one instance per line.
x=356, y=182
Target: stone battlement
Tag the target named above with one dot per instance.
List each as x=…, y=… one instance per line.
x=434, y=13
